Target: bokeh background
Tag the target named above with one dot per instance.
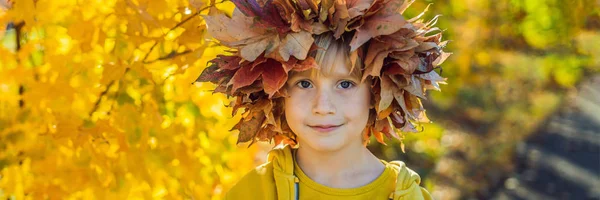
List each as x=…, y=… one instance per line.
x=98, y=101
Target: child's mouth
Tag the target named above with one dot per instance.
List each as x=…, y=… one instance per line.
x=327, y=128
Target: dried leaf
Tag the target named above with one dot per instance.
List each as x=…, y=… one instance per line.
x=251, y=51
x=227, y=62
x=213, y=74
x=379, y=136
x=426, y=46
x=432, y=76
x=397, y=119
x=305, y=64
x=415, y=87
x=265, y=17
x=273, y=77
x=296, y=44
x=384, y=127
x=440, y=59
x=357, y=7
x=250, y=128
x=229, y=30
x=243, y=77
x=399, y=96
x=387, y=95
x=385, y=22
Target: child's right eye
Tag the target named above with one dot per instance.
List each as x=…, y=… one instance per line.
x=304, y=84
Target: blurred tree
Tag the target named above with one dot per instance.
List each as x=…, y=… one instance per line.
x=514, y=62
x=97, y=102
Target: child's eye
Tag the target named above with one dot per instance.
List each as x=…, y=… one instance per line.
x=304, y=84
x=346, y=84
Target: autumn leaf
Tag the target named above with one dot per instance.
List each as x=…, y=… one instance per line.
x=250, y=127
x=387, y=96
x=385, y=22
x=266, y=17
x=230, y=31
x=273, y=77
x=246, y=75
x=414, y=87
x=296, y=44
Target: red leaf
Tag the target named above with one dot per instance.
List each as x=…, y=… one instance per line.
x=273, y=76
x=243, y=77
x=213, y=74
x=227, y=62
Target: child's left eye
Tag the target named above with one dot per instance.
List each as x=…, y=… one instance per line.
x=346, y=84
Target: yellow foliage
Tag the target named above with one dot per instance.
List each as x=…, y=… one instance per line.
x=97, y=102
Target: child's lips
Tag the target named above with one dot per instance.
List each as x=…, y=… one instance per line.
x=325, y=128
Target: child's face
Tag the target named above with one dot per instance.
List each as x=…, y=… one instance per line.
x=332, y=99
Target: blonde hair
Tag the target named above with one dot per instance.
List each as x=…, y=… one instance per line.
x=330, y=48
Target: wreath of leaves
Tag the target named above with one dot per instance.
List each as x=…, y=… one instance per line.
x=270, y=38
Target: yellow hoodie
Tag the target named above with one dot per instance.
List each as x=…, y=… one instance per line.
x=277, y=179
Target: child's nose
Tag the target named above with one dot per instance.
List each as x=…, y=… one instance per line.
x=323, y=104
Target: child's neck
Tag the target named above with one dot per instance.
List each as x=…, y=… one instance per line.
x=347, y=168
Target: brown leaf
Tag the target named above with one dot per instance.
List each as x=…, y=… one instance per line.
x=213, y=74
x=415, y=108
x=296, y=44
x=385, y=22
x=401, y=81
x=415, y=87
x=251, y=51
x=399, y=96
x=432, y=76
x=387, y=95
x=227, y=62
x=409, y=65
x=298, y=23
x=384, y=127
x=340, y=18
x=229, y=30
x=305, y=64
x=357, y=7
x=440, y=59
x=318, y=28
x=250, y=127
x=265, y=17
x=426, y=46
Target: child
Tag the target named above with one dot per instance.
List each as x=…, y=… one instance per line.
x=350, y=69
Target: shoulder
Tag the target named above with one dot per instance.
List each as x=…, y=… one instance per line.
x=405, y=175
x=256, y=184
x=407, y=182
x=260, y=183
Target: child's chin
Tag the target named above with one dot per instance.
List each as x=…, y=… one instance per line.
x=327, y=145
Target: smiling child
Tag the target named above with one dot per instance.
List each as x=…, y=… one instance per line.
x=318, y=79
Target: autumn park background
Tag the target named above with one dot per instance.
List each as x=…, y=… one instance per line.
x=98, y=101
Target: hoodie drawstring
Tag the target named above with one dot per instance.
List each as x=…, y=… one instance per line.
x=297, y=186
